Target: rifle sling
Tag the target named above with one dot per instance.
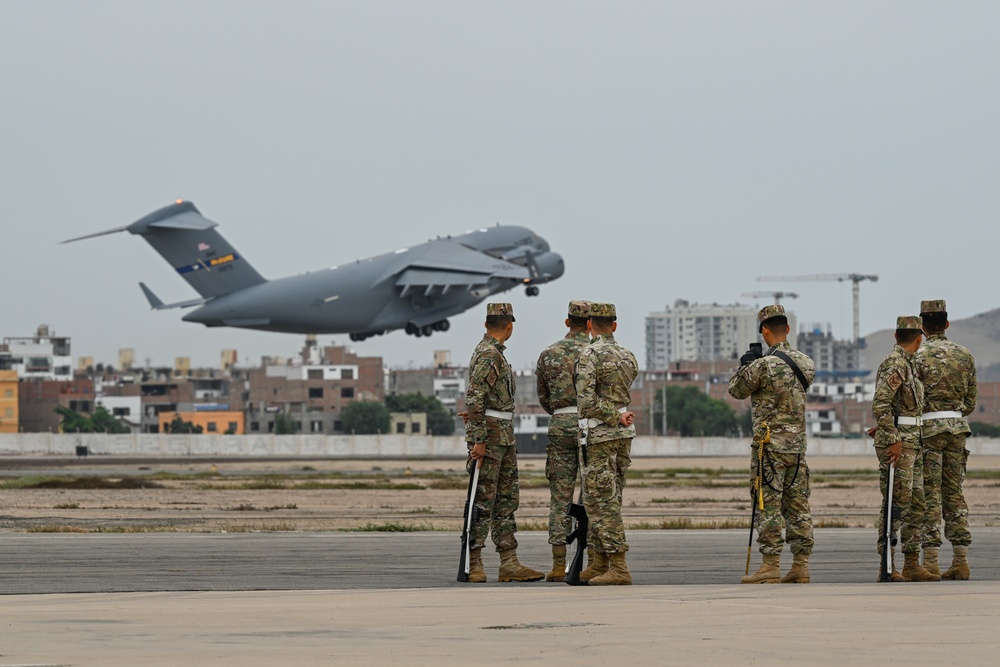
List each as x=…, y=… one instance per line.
x=795, y=368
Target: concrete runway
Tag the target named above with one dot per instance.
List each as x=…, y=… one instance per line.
x=97, y=563
x=361, y=598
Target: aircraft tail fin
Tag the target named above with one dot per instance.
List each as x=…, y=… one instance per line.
x=199, y=253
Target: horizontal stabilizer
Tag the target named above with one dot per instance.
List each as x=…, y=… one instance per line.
x=156, y=304
x=90, y=236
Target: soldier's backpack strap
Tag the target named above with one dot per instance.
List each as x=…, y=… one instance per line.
x=795, y=368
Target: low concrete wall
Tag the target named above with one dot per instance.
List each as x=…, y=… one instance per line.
x=377, y=446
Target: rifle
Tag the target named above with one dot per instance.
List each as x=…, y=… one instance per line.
x=758, y=496
x=579, y=512
x=885, y=568
x=471, y=512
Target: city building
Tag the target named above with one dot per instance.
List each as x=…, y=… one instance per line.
x=9, y=420
x=700, y=332
x=38, y=399
x=833, y=358
x=210, y=421
x=43, y=356
x=312, y=393
x=408, y=423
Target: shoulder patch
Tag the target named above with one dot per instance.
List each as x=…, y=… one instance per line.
x=894, y=380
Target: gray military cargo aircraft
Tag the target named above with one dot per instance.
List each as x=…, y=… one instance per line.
x=415, y=289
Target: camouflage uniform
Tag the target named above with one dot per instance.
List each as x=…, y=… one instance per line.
x=605, y=372
x=778, y=399
x=948, y=372
x=898, y=393
x=491, y=387
x=554, y=380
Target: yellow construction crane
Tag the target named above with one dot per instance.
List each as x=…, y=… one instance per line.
x=855, y=278
x=777, y=296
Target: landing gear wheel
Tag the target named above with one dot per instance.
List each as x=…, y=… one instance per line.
x=531, y=291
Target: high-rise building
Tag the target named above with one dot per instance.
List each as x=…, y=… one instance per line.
x=700, y=332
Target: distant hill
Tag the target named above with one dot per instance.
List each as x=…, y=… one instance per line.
x=980, y=333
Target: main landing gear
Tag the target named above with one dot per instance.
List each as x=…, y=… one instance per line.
x=531, y=290
x=368, y=334
x=427, y=329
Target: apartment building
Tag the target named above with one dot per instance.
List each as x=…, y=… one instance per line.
x=700, y=332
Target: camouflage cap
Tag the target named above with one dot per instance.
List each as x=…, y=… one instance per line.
x=603, y=310
x=908, y=322
x=500, y=309
x=767, y=312
x=578, y=309
x=933, y=306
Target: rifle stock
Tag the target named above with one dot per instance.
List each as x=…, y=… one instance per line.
x=579, y=512
x=579, y=535
x=470, y=512
x=885, y=567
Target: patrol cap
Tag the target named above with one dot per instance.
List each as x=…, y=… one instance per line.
x=933, y=306
x=603, y=310
x=500, y=309
x=578, y=309
x=767, y=312
x=908, y=322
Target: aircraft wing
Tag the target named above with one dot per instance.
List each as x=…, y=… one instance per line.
x=447, y=265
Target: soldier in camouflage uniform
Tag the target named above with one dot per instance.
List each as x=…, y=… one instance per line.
x=897, y=406
x=489, y=432
x=604, y=374
x=948, y=372
x=554, y=380
x=778, y=399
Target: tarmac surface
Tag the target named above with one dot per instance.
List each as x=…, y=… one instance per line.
x=376, y=598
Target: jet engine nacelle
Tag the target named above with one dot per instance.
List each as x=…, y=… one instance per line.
x=547, y=266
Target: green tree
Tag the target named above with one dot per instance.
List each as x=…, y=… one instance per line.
x=439, y=420
x=692, y=412
x=178, y=425
x=365, y=417
x=984, y=430
x=101, y=421
x=284, y=424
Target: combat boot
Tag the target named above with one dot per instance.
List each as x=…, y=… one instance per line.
x=512, y=570
x=558, y=572
x=596, y=566
x=912, y=571
x=799, y=574
x=769, y=572
x=895, y=577
x=617, y=573
x=959, y=570
x=931, y=560
x=477, y=575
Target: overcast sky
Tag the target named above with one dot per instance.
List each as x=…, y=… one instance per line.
x=666, y=149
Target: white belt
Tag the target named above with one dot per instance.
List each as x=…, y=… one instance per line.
x=594, y=423
x=908, y=421
x=941, y=414
x=498, y=414
x=568, y=410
